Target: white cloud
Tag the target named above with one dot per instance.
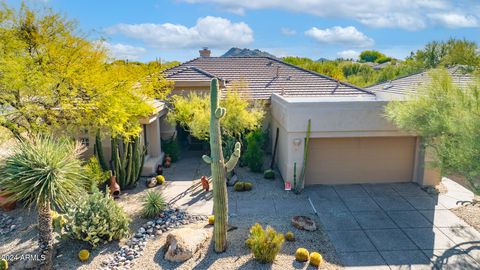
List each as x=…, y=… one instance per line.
x=340, y=35
x=455, y=20
x=123, y=51
x=287, y=31
x=214, y=32
x=405, y=14
x=348, y=54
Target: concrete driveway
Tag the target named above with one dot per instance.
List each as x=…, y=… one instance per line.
x=378, y=226
x=395, y=226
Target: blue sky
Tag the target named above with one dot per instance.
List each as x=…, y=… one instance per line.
x=177, y=29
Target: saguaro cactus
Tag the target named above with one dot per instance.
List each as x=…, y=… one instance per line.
x=219, y=169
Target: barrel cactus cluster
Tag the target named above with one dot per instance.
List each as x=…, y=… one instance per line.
x=243, y=186
x=303, y=255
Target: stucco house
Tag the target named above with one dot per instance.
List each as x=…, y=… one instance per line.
x=150, y=137
x=351, y=140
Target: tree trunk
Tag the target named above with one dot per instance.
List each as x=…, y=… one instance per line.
x=45, y=237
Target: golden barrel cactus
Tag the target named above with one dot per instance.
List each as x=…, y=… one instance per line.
x=302, y=255
x=83, y=255
x=3, y=264
x=316, y=259
x=160, y=179
x=289, y=236
x=211, y=220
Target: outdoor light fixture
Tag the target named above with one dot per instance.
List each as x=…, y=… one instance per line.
x=297, y=141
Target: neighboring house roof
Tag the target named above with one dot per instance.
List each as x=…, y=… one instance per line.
x=409, y=84
x=264, y=76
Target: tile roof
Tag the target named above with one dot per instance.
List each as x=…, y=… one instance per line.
x=409, y=84
x=264, y=76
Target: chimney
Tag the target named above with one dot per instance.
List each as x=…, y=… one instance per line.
x=205, y=52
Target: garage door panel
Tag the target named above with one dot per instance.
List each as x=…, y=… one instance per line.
x=360, y=160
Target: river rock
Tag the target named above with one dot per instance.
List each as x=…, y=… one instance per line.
x=183, y=243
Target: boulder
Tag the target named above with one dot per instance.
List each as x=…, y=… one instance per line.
x=304, y=223
x=183, y=243
x=151, y=182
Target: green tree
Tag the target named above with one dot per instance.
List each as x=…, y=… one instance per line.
x=371, y=56
x=329, y=68
x=447, y=117
x=192, y=112
x=53, y=78
x=45, y=173
x=448, y=53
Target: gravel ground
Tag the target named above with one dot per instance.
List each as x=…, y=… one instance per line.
x=469, y=213
x=237, y=255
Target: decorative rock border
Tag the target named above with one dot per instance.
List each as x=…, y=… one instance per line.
x=8, y=224
x=170, y=219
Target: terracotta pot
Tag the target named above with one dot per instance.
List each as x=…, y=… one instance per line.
x=114, y=187
x=205, y=184
x=159, y=169
x=167, y=164
x=5, y=203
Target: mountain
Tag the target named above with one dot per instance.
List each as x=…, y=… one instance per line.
x=237, y=52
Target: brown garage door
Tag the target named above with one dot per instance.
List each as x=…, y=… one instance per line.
x=360, y=160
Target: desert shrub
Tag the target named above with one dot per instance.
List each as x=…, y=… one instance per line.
x=265, y=244
x=171, y=147
x=269, y=174
x=302, y=255
x=97, y=219
x=254, y=155
x=94, y=172
x=228, y=146
x=153, y=204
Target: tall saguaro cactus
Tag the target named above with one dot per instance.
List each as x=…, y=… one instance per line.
x=219, y=169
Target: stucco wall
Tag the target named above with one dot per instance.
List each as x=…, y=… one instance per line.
x=330, y=118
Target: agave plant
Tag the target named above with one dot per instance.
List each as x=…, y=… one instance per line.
x=45, y=173
x=153, y=204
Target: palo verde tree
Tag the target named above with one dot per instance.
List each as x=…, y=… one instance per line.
x=447, y=117
x=193, y=113
x=53, y=78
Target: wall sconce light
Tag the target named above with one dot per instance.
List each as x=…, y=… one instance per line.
x=297, y=141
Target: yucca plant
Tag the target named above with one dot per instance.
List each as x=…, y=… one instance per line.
x=45, y=173
x=153, y=204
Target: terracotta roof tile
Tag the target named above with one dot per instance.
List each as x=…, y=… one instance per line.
x=264, y=76
x=410, y=83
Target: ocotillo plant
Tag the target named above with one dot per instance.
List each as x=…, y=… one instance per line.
x=219, y=169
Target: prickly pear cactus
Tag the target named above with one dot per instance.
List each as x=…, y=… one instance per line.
x=219, y=169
